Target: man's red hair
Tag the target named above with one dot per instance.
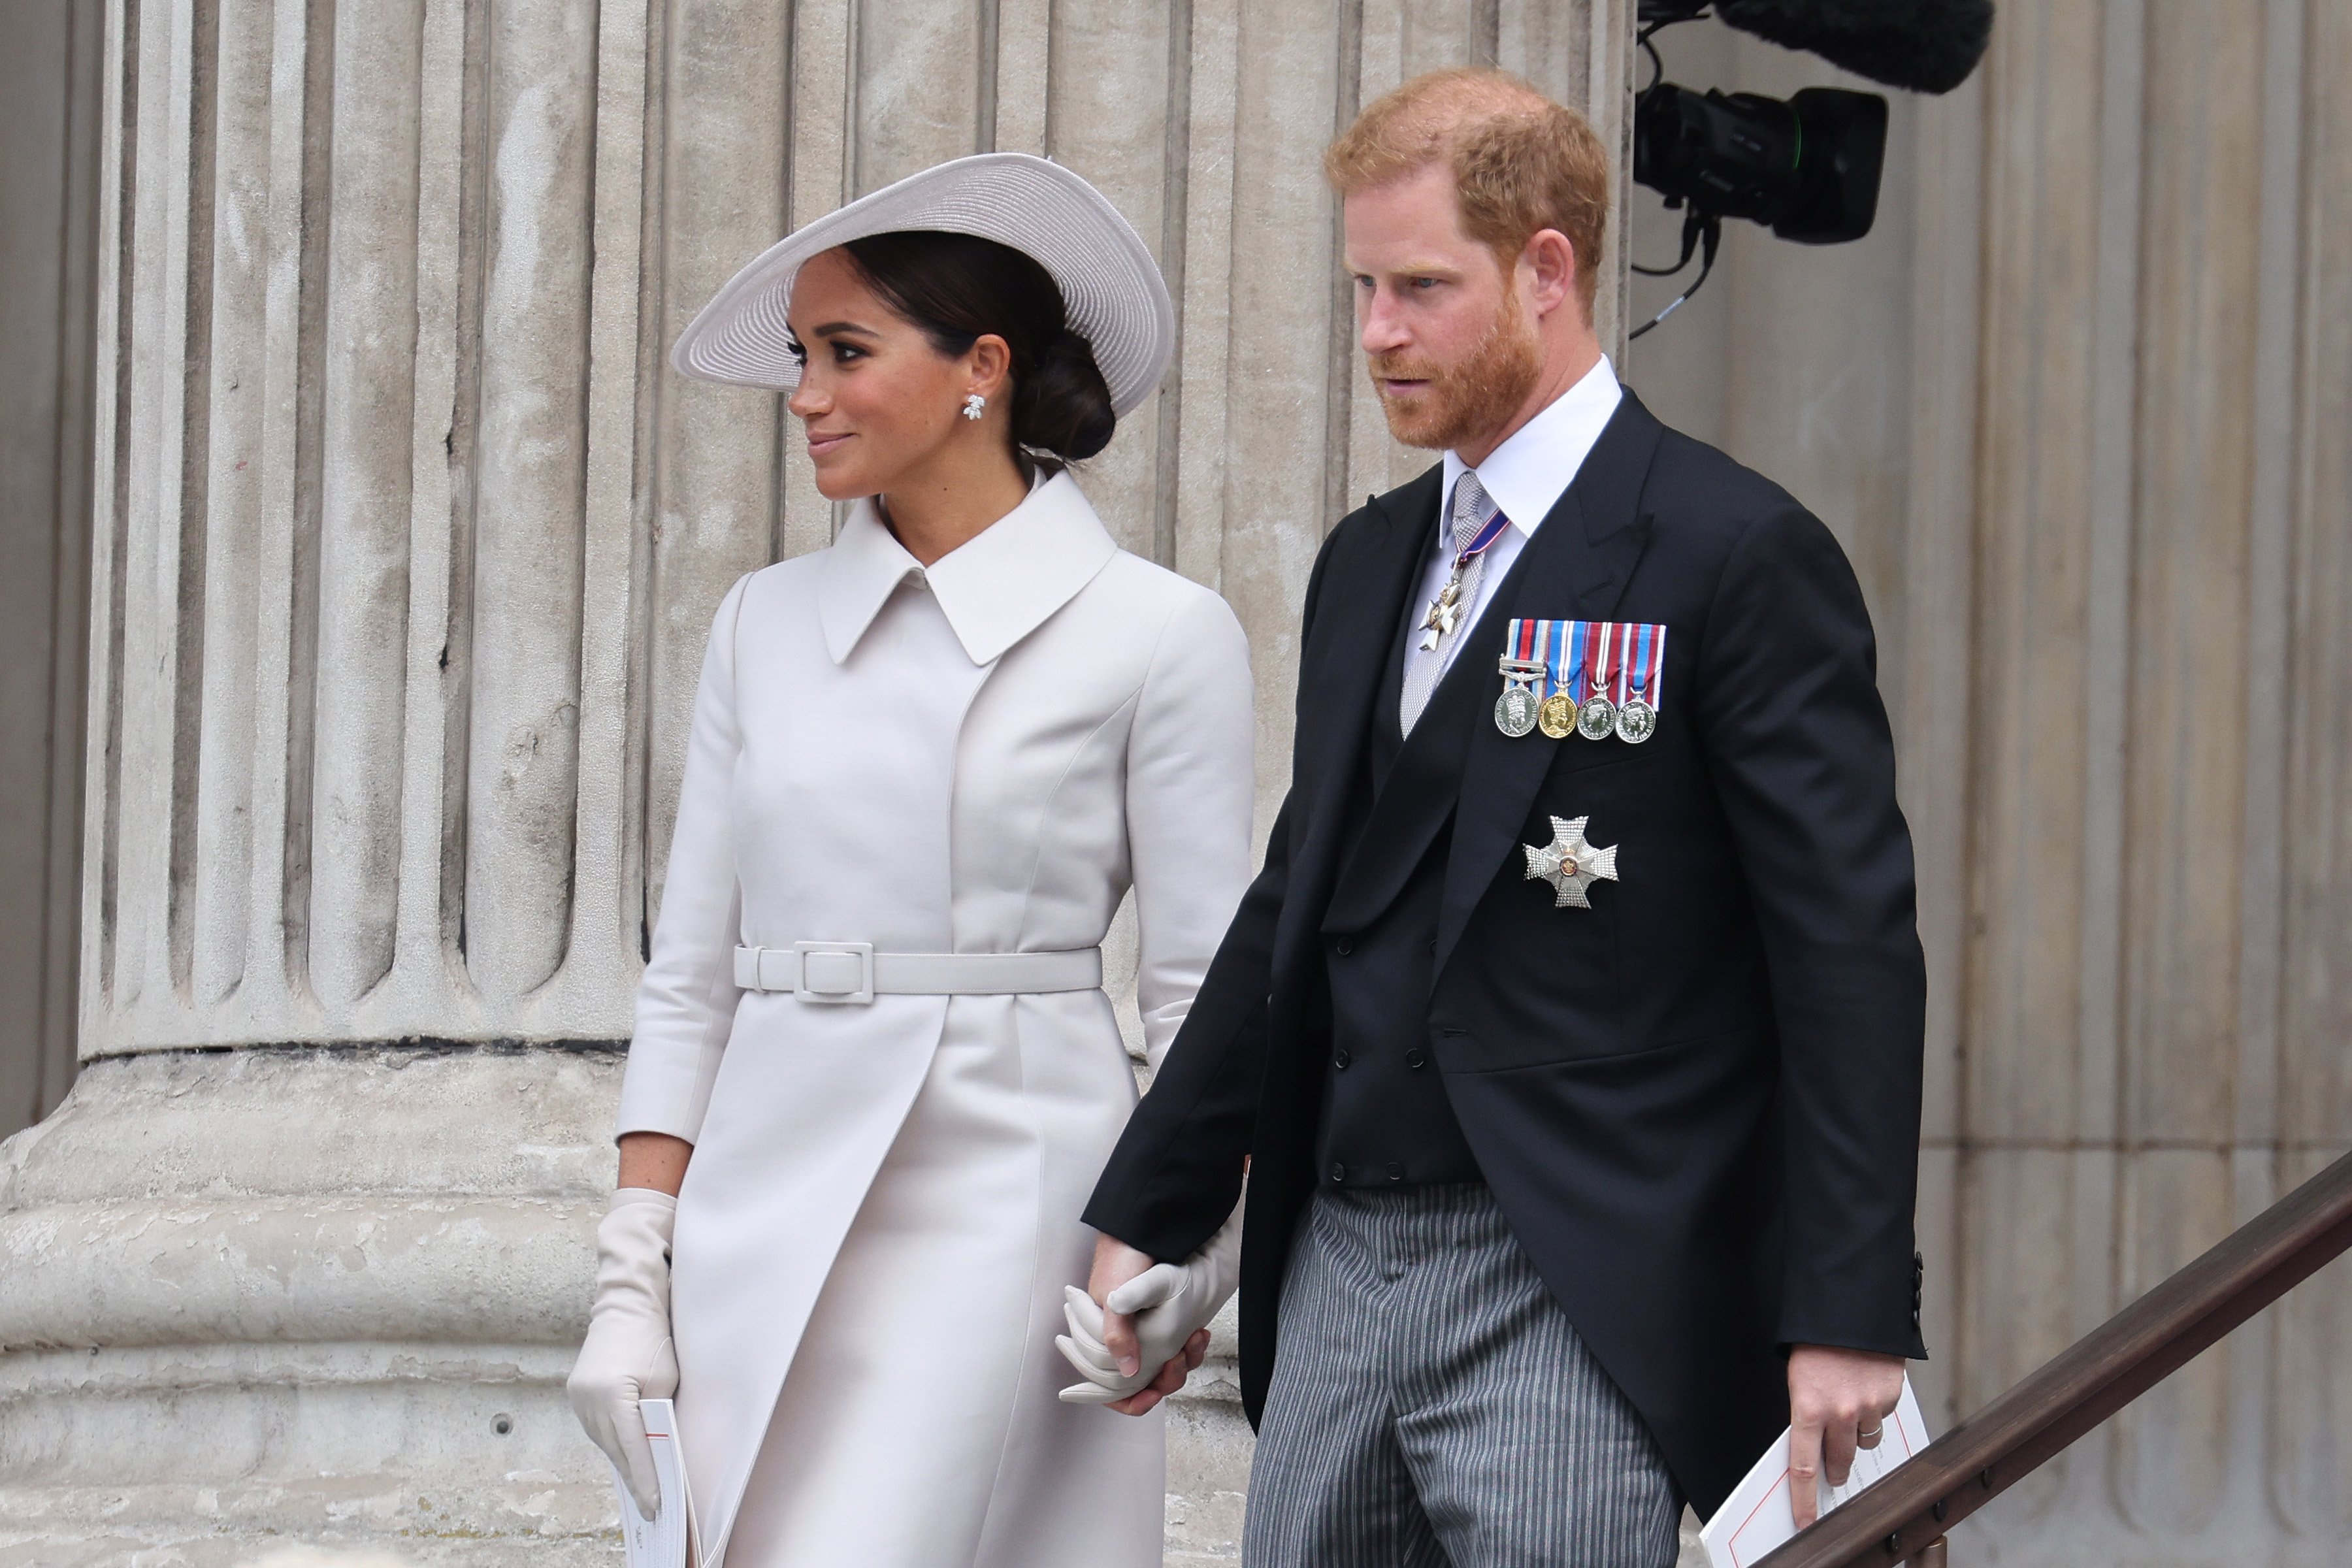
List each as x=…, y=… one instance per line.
x=1521, y=164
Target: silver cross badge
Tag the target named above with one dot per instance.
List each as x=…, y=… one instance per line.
x=1569, y=863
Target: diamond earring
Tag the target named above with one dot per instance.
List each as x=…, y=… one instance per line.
x=974, y=405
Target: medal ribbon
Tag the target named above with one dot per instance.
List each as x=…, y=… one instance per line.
x=1643, y=672
x=1485, y=537
x=1633, y=664
x=1647, y=664
x=1619, y=660
x=1567, y=656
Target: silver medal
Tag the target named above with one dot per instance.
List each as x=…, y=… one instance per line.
x=1515, y=710
x=1597, y=720
x=1636, y=721
x=1596, y=716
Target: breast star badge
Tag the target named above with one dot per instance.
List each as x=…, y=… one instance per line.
x=1569, y=864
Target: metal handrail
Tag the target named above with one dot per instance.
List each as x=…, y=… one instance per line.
x=1907, y=1512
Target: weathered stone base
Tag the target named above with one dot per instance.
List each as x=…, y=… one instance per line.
x=255, y=1298
x=326, y=1296
x=1209, y=1448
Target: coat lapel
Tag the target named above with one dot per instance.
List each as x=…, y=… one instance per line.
x=1340, y=675
x=1423, y=784
x=1575, y=568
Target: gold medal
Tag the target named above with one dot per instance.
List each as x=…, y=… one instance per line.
x=1557, y=717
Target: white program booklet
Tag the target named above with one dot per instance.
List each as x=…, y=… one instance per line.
x=663, y=1540
x=1756, y=1518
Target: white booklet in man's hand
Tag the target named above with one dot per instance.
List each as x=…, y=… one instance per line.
x=663, y=1540
x=1756, y=1518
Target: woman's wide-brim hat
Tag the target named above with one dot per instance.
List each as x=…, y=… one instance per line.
x=1111, y=289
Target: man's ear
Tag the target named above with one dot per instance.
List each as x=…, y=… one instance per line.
x=1553, y=260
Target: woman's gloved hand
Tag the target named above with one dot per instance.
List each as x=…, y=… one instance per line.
x=1169, y=1302
x=627, y=1356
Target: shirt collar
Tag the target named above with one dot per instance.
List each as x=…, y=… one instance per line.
x=996, y=588
x=1528, y=473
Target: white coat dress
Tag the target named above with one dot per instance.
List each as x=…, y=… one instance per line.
x=883, y=1204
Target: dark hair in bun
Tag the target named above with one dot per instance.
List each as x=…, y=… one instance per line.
x=957, y=287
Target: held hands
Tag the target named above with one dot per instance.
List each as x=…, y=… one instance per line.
x=1155, y=1379
x=1150, y=1330
x=627, y=1356
x=1839, y=1400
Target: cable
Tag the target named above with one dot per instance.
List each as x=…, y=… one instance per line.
x=1690, y=248
x=1657, y=74
x=1707, y=228
x=1642, y=40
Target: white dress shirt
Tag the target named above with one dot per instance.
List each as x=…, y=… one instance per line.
x=1527, y=475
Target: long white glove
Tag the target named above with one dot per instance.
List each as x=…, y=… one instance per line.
x=1169, y=1302
x=627, y=1356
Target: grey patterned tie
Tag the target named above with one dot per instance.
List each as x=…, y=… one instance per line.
x=1426, y=658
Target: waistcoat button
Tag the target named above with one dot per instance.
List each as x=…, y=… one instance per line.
x=1340, y=1060
x=1415, y=1060
x=1343, y=947
x=1338, y=1171
x=1396, y=1172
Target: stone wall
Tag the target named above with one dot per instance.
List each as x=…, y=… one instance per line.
x=406, y=543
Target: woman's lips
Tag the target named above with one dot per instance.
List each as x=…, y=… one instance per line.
x=818, y=446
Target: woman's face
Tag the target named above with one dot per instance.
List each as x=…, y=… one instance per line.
x=880, y=404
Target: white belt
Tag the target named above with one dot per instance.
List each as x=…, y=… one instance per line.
x=852, y=971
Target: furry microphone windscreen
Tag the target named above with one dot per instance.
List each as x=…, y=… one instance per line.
x=1926, y=45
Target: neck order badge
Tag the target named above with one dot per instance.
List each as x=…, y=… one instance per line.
x=1605, y=679
x=1471, y=540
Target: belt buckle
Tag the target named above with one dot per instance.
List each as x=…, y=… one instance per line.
x=835, y=983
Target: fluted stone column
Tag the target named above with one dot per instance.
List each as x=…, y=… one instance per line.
x=406, y=544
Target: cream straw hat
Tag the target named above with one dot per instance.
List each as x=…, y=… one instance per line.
x=1111, y=289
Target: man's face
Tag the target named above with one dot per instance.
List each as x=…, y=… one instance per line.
x=1449, y=343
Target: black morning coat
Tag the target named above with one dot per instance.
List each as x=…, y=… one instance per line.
x=1697, y=1101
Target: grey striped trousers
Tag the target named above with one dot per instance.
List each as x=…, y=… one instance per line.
x=1432, y=1405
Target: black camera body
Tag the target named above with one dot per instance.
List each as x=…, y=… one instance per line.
x=1807, y=168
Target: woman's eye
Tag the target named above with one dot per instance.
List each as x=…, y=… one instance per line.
x=792, y=347
x=845, y=353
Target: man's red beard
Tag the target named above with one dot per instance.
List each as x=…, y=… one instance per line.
x=1472, y=398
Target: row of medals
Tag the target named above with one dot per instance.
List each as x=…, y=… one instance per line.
x=1519, y=712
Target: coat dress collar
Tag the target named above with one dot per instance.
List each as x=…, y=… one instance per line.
x=994, y=589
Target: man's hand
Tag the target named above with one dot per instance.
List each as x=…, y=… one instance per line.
x=1839, y=1400
x=1115, y=1263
